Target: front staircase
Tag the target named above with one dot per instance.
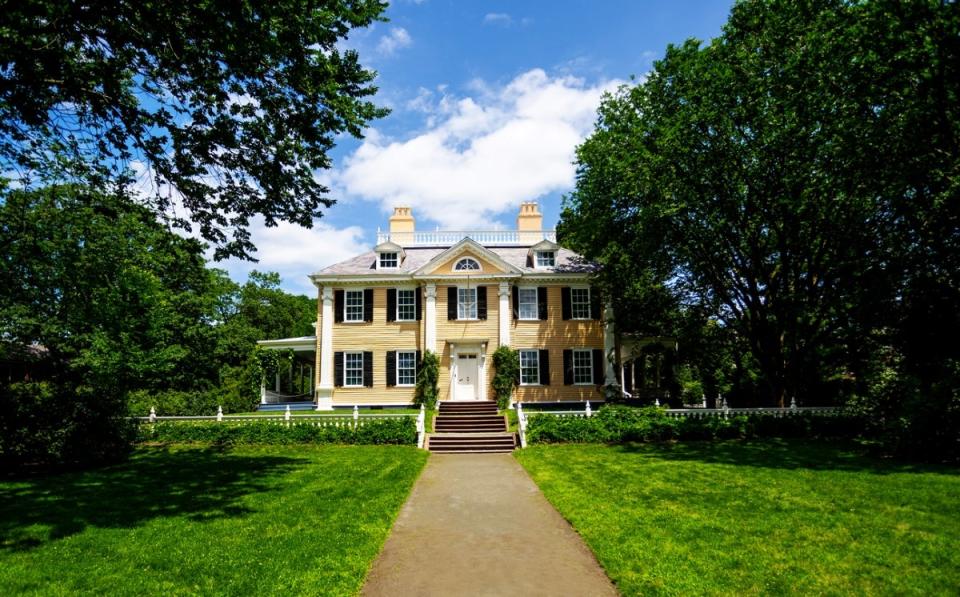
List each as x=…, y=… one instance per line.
x=465, y=427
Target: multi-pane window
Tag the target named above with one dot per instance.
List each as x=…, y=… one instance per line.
x=466, y=303
x=583, y=367
x=528, y=303
x=389, y=260
x=467, y=264
x=353, y=305
x=406, y=368
x=353, y=369
x=406, y=305
x=546, y=258
x=580, y=303
x=529, y=367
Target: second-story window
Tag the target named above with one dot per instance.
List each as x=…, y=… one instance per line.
x=353, y=305
x=546, y=259
x=406, y=305
x=528, y=303
x=466, y=303
x=389, y=260
x=580, y=303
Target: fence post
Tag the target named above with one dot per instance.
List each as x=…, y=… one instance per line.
x=421, y=426
x=656, y=401
x=219, y=413
x=522, y=425
x=793, y=402
x=356, y=415
x=589, y=410
x=153, y=415
x=286, y=413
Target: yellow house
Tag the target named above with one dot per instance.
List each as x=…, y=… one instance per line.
x=460, y=295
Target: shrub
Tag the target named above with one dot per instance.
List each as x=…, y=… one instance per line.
x=388, y=431
x=428, y=389
x=506, y=364
x=189, y=403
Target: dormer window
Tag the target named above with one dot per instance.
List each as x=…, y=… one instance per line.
x=467, y=264
x=545, y=259
x=389, y=260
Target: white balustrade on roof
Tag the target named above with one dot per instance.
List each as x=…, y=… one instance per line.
x=442, y=238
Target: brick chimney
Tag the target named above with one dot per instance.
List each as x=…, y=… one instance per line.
x=402, y=225
x=530, y=222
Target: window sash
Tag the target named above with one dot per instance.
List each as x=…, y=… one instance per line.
x=529, y=368
x=546, y=259
x=582, y=367
x=353, y=305
x=580, y=303
x=389, y=260
x=353, y=369
x=406, y=305
x=529, y=307
x=466, y=303
x=406, y=368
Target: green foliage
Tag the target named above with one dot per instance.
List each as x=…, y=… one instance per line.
x=386, y=431
x=235, y=106
x=617, y=424
x=428, y=375
x=506, y=364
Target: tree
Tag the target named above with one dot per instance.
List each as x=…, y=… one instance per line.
x=228, y=107
x=796, y=177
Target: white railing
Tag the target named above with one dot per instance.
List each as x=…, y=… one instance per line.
x=522, y=425
x=484, y=237
x=356, y=418
x=696, y=413
x=421, y=426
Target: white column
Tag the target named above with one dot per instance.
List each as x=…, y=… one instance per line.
x=430, y=334
x=325, y=389
x=505, y=312
x=609, y=345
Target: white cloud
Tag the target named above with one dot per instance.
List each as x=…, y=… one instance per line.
x=481, y=156
x=397, y=38
x=497, y=18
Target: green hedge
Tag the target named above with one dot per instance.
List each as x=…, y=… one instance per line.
x=615, y=424
x=386, y=431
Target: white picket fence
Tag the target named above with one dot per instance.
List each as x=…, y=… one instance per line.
x=694, y=413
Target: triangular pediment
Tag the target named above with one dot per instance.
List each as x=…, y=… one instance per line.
x=445, y=262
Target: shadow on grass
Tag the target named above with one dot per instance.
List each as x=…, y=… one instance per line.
x=201, y=484
x=783, y=454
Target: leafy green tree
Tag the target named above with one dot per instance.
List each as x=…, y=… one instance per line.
x=797, y=178
x=233, y=106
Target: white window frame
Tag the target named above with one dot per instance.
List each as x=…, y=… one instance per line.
x=589, y=366
x=395, y=260
x=543, y=254
x=347, y=369
x=536, y=303
x=457, y=267
x=574, y=304
x=535, y=366
x=461, y=304
x=413, y=304
x=347, y=306
x=413, y=359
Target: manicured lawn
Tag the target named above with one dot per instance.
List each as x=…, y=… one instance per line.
x=757, y=518
x=191, y=520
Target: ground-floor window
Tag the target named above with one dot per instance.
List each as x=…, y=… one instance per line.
x=583, y=367
x=406, y=367
x=353, y=369
x=529, y=367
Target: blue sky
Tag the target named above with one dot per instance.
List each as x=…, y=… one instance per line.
x=489, y=101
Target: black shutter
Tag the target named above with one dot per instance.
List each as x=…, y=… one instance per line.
x=481, y=302
x=452, y=302
x=338, y=306
x=598, y=373
x=568, y=367
x=419, y=307
x=542, y=302
x=565, y=300
x=368, y=369
x=391, y=304
x=628, y=377
x=544, y=362
x=419, y=359
x=368, y=304
x=391, y=368
x=596, y=308
x=338, y=369
x=516, y=303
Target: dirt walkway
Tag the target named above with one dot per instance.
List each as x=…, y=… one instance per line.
x=476, y=524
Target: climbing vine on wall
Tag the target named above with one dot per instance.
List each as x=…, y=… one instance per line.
x=427, y=380
x=506, y=362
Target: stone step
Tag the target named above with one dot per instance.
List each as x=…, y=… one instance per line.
x=471, y=442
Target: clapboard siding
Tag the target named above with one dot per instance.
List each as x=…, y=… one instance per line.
x=556, y=335
x=377, y=336
x=458, y=330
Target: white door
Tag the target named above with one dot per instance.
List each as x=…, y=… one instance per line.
x=466, y=377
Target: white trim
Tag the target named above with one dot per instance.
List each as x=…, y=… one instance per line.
x=345, y=384
x=465, y=258
x=347, y=305
x=396, y=307
x=476, y=303
x=505, y=314
x=396, y=256
x=573, y=358
x=396, y=373
x=430, y=314
x=325, y=388
x=520, y=352
x=536, y=303
x=589, y=304
x=536, y=258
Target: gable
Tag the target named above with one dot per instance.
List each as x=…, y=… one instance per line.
x=445, y=262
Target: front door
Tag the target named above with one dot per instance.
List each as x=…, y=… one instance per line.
x=466, y=377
